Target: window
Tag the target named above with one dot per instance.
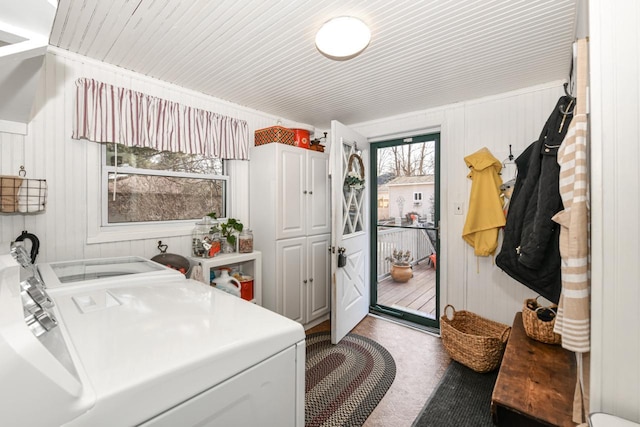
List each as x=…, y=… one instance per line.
x=383, y=202
x=142, y=185
x=417, y=198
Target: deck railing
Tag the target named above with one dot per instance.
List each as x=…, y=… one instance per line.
x=415, y=240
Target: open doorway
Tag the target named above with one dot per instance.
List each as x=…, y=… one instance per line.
x=405, y=209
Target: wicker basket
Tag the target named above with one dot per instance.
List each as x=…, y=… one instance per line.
x=535, y=328
x=472, y=340
x=276, y=134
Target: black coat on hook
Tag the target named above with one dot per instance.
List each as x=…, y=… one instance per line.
x=530, y=250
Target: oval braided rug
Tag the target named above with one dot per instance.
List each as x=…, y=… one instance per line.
x=344, y=382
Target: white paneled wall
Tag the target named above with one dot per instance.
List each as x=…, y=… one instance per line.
x=515, y=118
x=615, y=182
x=71, y=166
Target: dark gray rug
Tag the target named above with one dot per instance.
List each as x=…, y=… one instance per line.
x=463, y=398
x=344, y=382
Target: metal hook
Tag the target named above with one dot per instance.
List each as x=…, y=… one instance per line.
x=508, y=160
x=566, y=89
x=162, y=248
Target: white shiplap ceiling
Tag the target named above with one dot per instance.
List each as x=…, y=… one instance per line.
x=261, y=53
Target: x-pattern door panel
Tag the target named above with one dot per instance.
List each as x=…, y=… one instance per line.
x=349, y=288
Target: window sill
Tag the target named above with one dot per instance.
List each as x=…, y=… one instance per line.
x=138, y=232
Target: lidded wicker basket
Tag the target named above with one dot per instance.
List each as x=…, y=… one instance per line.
x=536, y=328
x=472, y=340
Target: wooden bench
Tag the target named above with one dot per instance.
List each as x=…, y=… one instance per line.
x=535, y=384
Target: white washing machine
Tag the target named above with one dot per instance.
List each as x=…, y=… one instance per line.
x=125, y=341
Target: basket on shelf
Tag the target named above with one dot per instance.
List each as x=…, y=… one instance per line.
x=472, y=340
x=277, y=134
x=536, y=328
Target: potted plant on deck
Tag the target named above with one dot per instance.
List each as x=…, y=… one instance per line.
x=401, y=270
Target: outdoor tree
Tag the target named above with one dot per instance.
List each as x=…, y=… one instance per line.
x=407, y=159
x=137, y=197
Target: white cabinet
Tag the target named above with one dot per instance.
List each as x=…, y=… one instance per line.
x=290, y=208
x=249, y=263
x=302, y=192
x=302, y=277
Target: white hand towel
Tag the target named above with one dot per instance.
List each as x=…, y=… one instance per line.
x=32, y=196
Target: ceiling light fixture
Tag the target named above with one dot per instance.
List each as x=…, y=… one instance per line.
x=343, y=38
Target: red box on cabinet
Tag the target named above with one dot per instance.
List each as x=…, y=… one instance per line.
x=301, y=137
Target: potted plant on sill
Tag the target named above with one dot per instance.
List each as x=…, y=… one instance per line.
x=401, y=270
x=229, y=231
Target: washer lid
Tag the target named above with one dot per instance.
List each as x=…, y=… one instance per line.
x=101, y=270
x=161, y=343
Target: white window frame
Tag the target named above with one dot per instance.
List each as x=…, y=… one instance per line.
x=99, y=231
x=417, y=200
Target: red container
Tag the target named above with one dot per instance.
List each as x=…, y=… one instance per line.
x=246, y=288
x=301, y=138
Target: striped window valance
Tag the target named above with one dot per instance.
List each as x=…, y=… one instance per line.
x=106, y=113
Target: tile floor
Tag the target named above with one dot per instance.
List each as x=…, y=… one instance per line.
x=420, y=363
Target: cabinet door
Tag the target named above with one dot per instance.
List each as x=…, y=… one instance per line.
x=291, y=194
x=291, y=273
x=318, y=271
x=318, y=194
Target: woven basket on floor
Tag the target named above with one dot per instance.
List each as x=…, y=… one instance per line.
x=536, y=328
x=472, y=340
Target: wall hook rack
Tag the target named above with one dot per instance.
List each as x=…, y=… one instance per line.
x=508, y=160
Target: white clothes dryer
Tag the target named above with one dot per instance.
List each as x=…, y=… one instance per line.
x=125, y=341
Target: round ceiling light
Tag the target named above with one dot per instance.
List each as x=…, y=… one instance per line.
x=343, y=38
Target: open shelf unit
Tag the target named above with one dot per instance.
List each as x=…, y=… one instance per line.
x=249, y=263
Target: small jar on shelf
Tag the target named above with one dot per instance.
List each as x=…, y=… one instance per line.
x=205, y=244
x=245, y=242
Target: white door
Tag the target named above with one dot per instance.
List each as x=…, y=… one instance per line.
x=350, y=222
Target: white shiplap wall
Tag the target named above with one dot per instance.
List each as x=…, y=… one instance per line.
x=514, y=118
x=70, y=166
x=48, y=151
x=615, y=181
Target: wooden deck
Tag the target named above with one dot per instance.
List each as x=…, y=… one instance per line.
x=418, y=295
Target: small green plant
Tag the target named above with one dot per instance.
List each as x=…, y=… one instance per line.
x=227, y=229
x=400, y=258
x=354, y=180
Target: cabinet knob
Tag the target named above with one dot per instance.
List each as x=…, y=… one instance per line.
x=304, y=281
x=311, y=280
x=304, y=192
x=310, y=192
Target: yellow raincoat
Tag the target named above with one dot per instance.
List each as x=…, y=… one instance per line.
x=485, y=216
